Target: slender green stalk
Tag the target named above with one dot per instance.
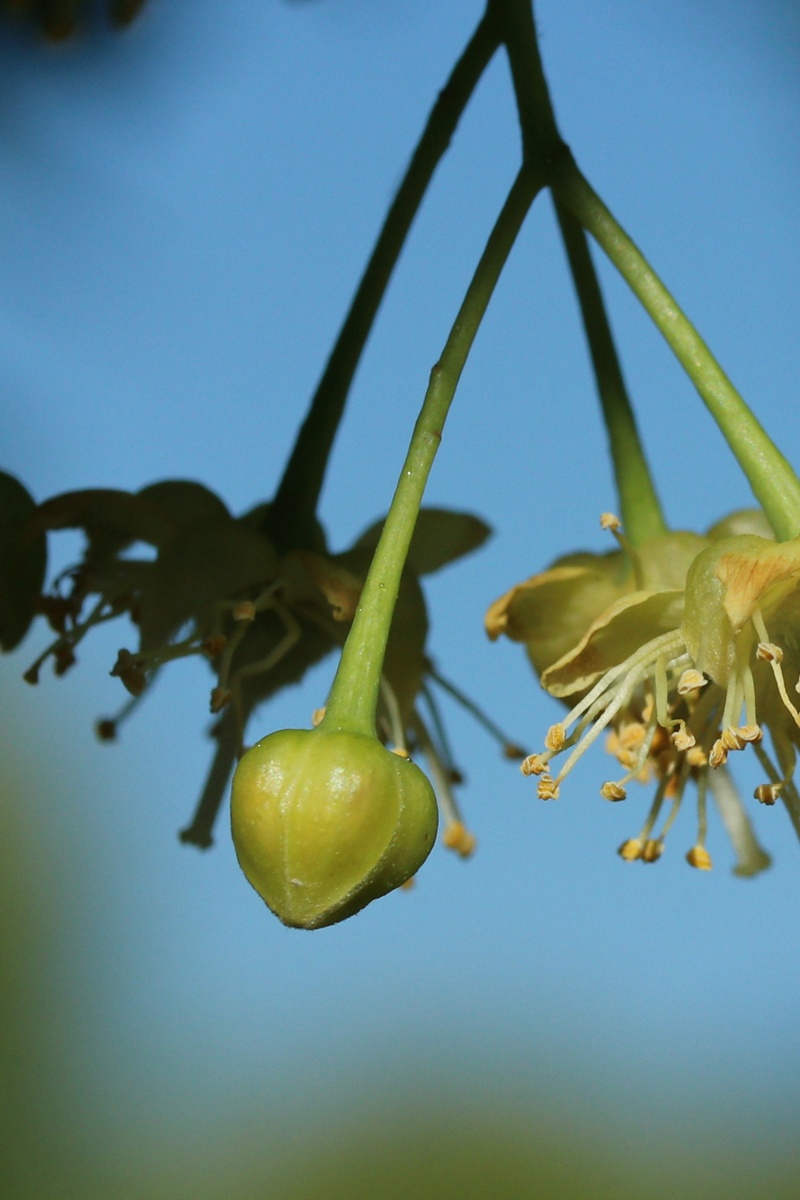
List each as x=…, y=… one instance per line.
x=541, y=140
x=291, y=518
x=640, y=508
x=774, y=482
x=354, y=695
x=542, y=147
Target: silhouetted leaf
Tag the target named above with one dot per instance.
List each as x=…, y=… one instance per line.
x=440, y=537
x=23, y=561
x=206, y=563
x=107, y=511
x=184, y=501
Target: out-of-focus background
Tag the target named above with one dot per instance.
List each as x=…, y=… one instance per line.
x=185, y=210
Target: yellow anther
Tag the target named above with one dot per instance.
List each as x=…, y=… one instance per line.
x=767, y=793
x=555, y=739
x=748, y=733
x=409, y=884
x=697, y=757
x=457, y=837
x=652, y=850
x=631, y=850
x=769, y=652
x=608, y=520
x=690, y=681
x=534, y=764
x=682, y=739
x=317, y=716
x=400, y=751
x=719, y=754
x=612, y=791
x=547, y=788
x=699, y=857
x=730, y=739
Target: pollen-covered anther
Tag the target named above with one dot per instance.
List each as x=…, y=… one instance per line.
x=609, y=520
x=547, y=788
x=718, y=754
x=769, y=652
x=730, y=739
x=316, y=716
x=652, y=850
x=631, y=849
x=613, y=791
x=767, y=793
x=555, y=738
x=690, y=681
x=748, y=734
x=534, y=764
x=400, y=751
x=699, y=857
x=457, y=837
x=244, y=610
x=220, y=696
x=681, y=738
x=697, y=757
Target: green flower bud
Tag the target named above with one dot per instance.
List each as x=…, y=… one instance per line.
x=326, y=821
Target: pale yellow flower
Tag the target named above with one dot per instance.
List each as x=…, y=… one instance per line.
x=679, y=674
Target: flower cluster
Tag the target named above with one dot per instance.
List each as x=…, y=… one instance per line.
x=195, y=580
x=683, y=652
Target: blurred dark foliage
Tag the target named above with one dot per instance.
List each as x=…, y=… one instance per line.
x=59, y=20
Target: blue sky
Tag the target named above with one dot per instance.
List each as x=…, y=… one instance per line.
x=185, y=213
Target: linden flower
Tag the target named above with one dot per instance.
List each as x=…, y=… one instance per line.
x=680, y=677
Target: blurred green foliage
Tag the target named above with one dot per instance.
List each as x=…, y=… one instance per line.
x=429, y=1136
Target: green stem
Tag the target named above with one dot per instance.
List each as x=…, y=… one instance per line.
x=291, y=520
x=774, y=482
x=354, y=694
x=640, y=509
x=543, y=145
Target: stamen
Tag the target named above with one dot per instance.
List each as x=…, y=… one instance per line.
x=649, y=655
x=690, y=681
x=644, y=847
x=547, y=788
x=699, y=857
x=397, y=733
x=767, y=793
x=644, y=657
x=534, y=764
x=510, y=748
x=555, y=738
x=609, y=520
x=682, y=739
x=769, y=652
x=611, y=790
x=455, y=835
